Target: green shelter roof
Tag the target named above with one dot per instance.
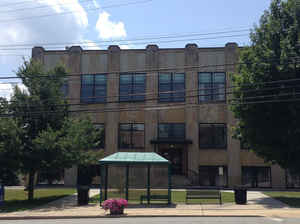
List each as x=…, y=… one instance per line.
x=133, y=157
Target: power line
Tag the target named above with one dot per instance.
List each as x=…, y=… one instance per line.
x=71, y=12
x=43, y=6
x=176, y=92
x=173, y=68
x=82, y=43
x=142, y=43
x=17, y=3
x=166, y=106
x=148, y=108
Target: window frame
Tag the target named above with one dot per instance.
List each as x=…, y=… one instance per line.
x=132, y=84
x=104, y=135
x=212, y=100
x=93, y=98
x=213, y=146
x=225, y=168
x=172, y=128
x=65, y=87
x=255, y=169
x=131, y=136
x=172, y=88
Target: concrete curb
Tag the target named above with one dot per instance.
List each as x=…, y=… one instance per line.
x=115, y=216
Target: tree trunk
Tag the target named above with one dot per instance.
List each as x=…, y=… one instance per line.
x=31, y=185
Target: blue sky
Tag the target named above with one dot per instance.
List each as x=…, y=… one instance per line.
x=93, y=21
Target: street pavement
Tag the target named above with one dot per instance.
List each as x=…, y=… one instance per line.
x=159, y=220
x=258, y=205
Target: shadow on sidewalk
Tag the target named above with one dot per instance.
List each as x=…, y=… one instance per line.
x=152, y=205
x=268, y=202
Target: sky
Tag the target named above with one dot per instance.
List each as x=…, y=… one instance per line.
x=95, y=24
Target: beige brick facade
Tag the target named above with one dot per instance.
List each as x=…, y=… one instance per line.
x=189, y=60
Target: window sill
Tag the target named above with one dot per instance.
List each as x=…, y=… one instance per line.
x=132, y=101
x=92, y=102
x=131, y=148
x=212, y=102
x=212, y=148
x=171, y=101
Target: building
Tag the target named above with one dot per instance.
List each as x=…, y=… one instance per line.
x=171, y=101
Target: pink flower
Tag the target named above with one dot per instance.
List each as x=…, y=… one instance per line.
x=114, y=204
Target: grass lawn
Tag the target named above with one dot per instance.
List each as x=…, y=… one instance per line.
x=16, y=199
x=177, y=197
x=290, y=198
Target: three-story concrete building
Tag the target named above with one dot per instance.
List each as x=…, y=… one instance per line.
x=171, y=101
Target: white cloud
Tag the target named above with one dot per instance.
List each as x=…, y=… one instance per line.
x=68, y=27
x=90, y=45
x=96, y=4
x=109, y=29
x=79, y=13
x=6, y=89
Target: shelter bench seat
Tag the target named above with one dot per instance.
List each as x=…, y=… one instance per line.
x=203, y=194
x=154, y=197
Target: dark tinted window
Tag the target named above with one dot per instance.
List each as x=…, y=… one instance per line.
x=171, y=131
x=212, y=136
x=171, y=87
x=132, y=87
x=131, y=136
x=93, y=88
x=254, y=176
x=211, y=86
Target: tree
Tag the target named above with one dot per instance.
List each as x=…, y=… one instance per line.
x=265, y=100
x=10, y=142
x=41, y=135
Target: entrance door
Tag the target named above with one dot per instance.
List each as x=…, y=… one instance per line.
x=175, y=156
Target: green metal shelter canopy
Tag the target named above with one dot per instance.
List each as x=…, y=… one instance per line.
x=131, y=158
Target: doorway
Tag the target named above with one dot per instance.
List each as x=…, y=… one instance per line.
x=177, y=158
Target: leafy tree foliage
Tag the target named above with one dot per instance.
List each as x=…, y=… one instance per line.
x=266, y=107
x=39, y=134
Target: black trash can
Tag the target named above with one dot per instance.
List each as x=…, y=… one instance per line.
x=83, y=195
x=1, y=194
x=240, y=195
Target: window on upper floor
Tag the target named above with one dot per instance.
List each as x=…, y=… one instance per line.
x=212, y=136
x=171, y=131
x=211, y=86
x=171, y=87
x=132, y=87
x=65, y=87
x=131, y=136
x=93, y=88
x=101, y=138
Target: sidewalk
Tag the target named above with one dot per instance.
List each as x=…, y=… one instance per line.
x=258, y=205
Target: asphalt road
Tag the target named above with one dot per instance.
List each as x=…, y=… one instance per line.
x=173, y=220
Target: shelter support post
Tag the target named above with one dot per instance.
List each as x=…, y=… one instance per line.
x=148, y=183
x=169, y=184
x=106, y=182
x=127, y=181
x=101, y=185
